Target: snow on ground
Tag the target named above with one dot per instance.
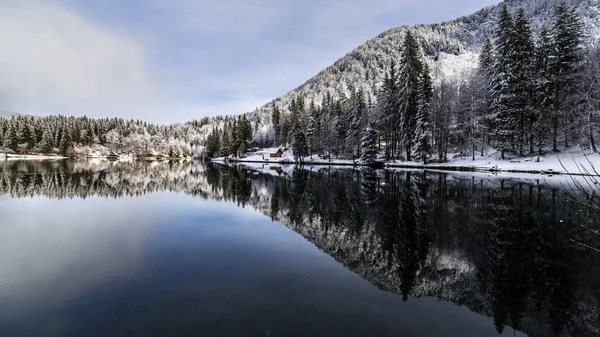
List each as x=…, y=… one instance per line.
x=570, y=161
x=263, y=156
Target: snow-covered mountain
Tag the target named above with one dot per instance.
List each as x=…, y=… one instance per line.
x=10, y=114
x=451, y=48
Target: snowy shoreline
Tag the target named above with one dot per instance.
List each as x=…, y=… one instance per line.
x=569, y=162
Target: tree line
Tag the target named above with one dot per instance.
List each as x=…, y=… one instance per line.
x=73, y=136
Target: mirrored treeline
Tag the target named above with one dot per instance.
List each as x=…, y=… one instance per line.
x=518, y=251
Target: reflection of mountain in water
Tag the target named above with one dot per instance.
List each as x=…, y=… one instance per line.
x=507, y=249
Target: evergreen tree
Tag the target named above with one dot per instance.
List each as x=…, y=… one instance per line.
x=357, y=110
x=32, y=139
x=47, y=143
x=422, y=134
x=276, y=118
x=65, y=144
x=483, y=79
x=486, y=58
x=213, y=144
x=369, y=145
x=341, y=127
x=543, y=91
x=299, y=145
x=11, y=140
x=409, y=77
x=567, y=34
x=387, y=109
x=226, y=148
x=523, y=81
x=311, y=134
x=506, y=122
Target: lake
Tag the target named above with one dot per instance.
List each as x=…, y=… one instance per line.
x=95, y=248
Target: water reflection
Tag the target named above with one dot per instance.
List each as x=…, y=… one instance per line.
x=509, y=249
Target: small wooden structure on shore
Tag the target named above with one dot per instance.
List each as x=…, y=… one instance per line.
x=277, y=154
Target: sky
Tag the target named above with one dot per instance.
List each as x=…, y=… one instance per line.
x=178, y=60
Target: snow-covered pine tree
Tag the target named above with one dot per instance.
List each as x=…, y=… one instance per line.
x=226, y=146
x=11, y=140
x=506, y=120
x=47, y=143
x=311, y=134
x=341, y=128
x=356, y=115
x=33, y=139
x=299, y=145
x=65, y=144
x=276, y=119
x=411, y=67
x=213, y=144
x=369, y=145
x=483, y=82
x=543, y=100
x=523, y=81
x=567, y=35
x=486, y=58
x=422, y=134
x=387, y=110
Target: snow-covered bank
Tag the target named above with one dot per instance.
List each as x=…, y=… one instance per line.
x=29, y=157
x=572, y=161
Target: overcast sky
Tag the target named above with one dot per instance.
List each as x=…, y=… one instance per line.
x=175, y=60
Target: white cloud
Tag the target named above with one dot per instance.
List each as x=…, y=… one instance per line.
x=54, y=61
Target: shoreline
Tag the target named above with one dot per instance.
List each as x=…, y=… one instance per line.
x=428, y=167
x=4, y=156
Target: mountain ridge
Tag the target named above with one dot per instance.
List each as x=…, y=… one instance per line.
x=451, y=48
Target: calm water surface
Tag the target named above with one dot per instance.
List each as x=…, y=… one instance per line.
x=186, y=249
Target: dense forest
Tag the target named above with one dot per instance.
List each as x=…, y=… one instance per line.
x=530, y=94
x=78, y=136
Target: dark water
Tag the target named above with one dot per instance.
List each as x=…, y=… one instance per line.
x=184, y=249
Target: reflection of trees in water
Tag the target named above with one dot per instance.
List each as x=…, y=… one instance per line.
x=503, y=248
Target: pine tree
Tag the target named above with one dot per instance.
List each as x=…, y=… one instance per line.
x=543, y=91
x=299, y=145
x=484, y=79
x=47, y=143
x=65, y=144
x=357, y=110
x=341, y=127
x=506, y=122
x=486, y=58
x=567, y=34
x=33, y=138
x=213, y=144
x=422, y=134
x=523, y=80
x=226, y=148
x=276, y=118
x=311, y=134
x=11, y=140
x=411, y=67
x=387, y=109
x=369, y=145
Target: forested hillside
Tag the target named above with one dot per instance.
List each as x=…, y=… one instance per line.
x=78, y=136
x=520, y=78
